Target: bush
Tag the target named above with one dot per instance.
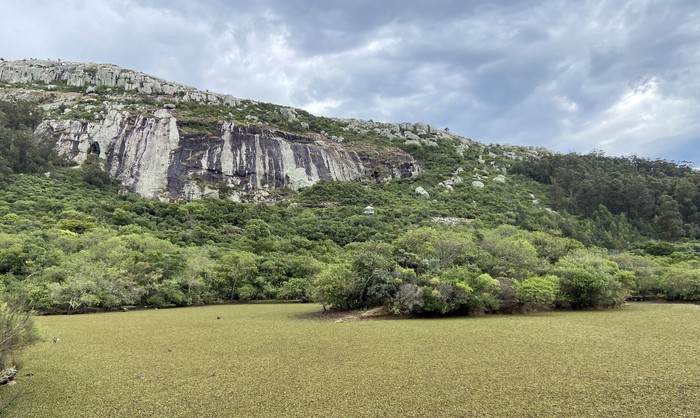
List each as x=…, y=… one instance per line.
x=538, y=292
x=17, y=330
x=517, y=257
x=409, y=299
x=460, y=289
x=682, y=284
x=295, y=289
x=589, y=279
x=648, y=274
x=330, y=286
x=485, y=292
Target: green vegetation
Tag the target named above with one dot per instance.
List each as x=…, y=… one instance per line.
x=622, y=194
x=17, y=331
x=270, y=360
x=71, y=240
x=74, y=242
x=19, y=152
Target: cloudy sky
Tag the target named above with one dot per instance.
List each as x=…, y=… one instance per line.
x=621, y=76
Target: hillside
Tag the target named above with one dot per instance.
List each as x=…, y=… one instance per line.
x=173, y=142
x=350, y=213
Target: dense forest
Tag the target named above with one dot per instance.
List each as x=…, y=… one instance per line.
x=659, y=199
x=71, y=240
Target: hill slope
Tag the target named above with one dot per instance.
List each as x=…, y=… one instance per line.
x=454, y=225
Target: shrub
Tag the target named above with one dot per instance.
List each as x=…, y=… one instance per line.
x=485, y=291
x=17, y=330
x=682, y=284
x=295, y=289
x=538, y=292
x=648, y=274
x=516, y=256
x=330, y=286
x=460, y=289
x=409, y=299
x=589, y=279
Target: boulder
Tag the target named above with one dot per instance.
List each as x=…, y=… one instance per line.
x=288, y=113
x=477, y=184
x=422, y=192
x=411, y=135
x=420, y=126
x=447, y=184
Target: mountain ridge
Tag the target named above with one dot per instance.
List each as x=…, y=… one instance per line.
x=88, y=104
x=112, y=111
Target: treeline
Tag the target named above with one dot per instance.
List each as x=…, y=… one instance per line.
x=430, y=271
x=424, y=270
x=658, y=198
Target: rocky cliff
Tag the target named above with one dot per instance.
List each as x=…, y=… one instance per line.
x=152, y=157
x=172, y=142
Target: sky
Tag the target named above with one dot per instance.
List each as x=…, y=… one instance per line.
x=618, y=76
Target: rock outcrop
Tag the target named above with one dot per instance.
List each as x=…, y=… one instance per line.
x=151, y=157
x=91, y=75
x=151, y=153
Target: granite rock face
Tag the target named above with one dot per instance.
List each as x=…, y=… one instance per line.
x=151, y=154
x=152, y=157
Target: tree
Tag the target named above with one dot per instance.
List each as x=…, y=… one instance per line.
x=648, y=274
x=94, y=174
x=19, y=150
x=639, y=199
x=669, y=223
x=685, y=193
x=235, y=269
x=408, y=300
x=330, y=286
x=682, y=284
x=516, y=256
x=373, y=264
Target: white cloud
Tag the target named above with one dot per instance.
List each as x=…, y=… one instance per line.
x=321, y=107
x=642, y=121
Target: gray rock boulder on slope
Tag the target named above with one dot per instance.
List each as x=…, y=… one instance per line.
x=150, y=155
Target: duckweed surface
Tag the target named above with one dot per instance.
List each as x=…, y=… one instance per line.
x=274, y=360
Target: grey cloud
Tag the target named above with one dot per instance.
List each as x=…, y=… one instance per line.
x=554, y=73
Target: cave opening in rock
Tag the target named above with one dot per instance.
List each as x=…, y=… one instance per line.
x=94, y=148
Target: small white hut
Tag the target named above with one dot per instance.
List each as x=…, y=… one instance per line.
x=369, y=210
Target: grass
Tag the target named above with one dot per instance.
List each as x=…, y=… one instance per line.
x=267, y=360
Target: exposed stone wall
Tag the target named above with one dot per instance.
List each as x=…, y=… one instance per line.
x=151, y=157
